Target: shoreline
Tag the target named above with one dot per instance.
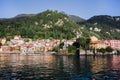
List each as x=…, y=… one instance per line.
x=61, y=54
x=88, y=54
x=84, y=54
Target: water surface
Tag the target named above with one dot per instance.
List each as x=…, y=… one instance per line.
x=53, y=67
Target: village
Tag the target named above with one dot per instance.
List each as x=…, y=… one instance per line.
x=19, y=45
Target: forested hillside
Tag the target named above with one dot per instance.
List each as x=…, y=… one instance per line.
x=106, y=27
x=48, y=24
x=57, y=25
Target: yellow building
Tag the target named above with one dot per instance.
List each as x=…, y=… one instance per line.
x=97, y=44
x=93, y=39
x=3, y=41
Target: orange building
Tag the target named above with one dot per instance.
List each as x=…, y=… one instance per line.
x=97, y=44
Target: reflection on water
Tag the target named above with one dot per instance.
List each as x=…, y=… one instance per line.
x=52, y=67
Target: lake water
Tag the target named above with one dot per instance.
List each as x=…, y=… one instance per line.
x=53, y=67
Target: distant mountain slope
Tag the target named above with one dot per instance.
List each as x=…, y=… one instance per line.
x=21, y=16
x=24, y=15
x=76, y=18
x=105, y=26
x=113, y=21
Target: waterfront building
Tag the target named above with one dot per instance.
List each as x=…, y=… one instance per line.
x=115, y=44
x=98, y=44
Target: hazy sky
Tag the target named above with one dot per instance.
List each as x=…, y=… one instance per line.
x=82, y=8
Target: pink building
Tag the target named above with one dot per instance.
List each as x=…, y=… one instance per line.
x=115, y=44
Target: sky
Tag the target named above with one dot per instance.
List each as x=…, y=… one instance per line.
x=81, y=8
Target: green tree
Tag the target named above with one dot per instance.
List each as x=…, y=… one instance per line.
x=109, y=49
x=88, y=41
x=71, y=49
x=81, y=41
x=77, y=47
x=84, y=42
x=118, y=51
x=26, y=39
x=102, y=50
x=61, y=45
x=9, y=37
x=56, y=49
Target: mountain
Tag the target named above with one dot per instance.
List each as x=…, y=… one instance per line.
x=24, y=15
x=21, y=16
x=113, y=21
x=104, y=25
x=76, y=18
x=52, y=24
x=48, y=24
